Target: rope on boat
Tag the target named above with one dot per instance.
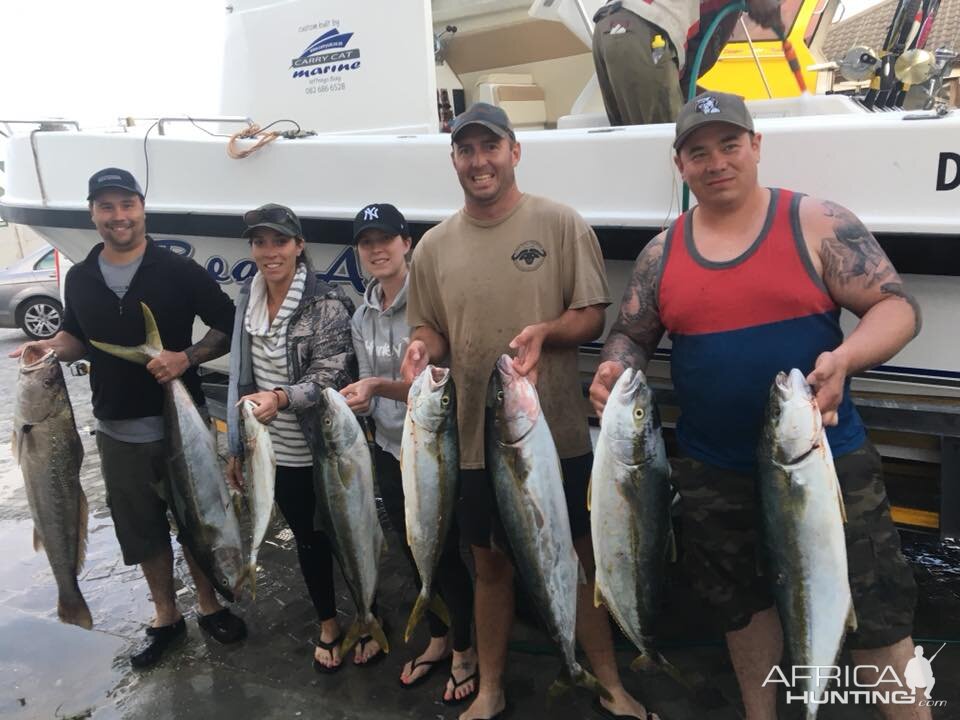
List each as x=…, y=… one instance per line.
x=248, y=133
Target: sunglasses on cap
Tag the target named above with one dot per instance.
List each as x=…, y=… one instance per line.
x=275, y=215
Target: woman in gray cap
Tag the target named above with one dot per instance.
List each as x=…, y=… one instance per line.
x=284, y=312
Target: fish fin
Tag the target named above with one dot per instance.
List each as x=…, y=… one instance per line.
x=15, y=446
x=581, y=573
x=671, y=550
x=82, y=532
x=37, y=540
x=590, y=493
x=350, y=638
x=584, y=679
x=252, y=577
x=75, y=612
x=843, y=505
x=852, y=619
x=419, y=607
x=150, y=325
x=642, y=663
x=374, y=630
x=598, y=599
x=439, y=608
x=133, y=354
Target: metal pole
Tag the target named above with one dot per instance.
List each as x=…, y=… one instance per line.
x=753, y=51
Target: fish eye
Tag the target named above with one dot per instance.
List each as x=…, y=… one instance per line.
x=48, y=383
x=639, y=413
x=327, y=422
x=499, y=395
x=445, y=401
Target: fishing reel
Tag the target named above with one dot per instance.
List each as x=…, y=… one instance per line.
x=441, y=43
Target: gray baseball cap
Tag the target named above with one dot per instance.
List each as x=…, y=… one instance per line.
x=711, y=107
x=273, y=216
x=489, y=116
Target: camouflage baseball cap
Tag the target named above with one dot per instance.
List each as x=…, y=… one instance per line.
x=485, y=114
x=711, y=107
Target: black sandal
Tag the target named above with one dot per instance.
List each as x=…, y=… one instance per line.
x=431, y=666
x=454, y=700
x=329, y=647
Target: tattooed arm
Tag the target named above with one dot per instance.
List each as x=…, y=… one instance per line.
x=859, y=277
x=637, y=331
x=169, y=364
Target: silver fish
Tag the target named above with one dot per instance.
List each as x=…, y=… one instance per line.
x=346, y=510
x=803, y=517
x=630, y=510
x=48, y=449
x=200, y=501
x=260, y=468
x=430, y=465
x=528, y=483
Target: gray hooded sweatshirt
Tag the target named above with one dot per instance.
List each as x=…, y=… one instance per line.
x=380, y=338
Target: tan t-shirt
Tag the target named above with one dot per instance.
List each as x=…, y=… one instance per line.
x=479, y=283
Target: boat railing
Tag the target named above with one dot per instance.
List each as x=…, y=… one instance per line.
x=195, y=120
x=45, y=125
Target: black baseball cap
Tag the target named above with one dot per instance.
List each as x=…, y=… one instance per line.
x=380, y=216
x=711, y=107
x=485, y=114
x=273, y=216
x=112, y=179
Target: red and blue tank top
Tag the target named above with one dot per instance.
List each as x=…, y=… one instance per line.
x=735, y=324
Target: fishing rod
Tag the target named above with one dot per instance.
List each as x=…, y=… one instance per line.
x=893, y=46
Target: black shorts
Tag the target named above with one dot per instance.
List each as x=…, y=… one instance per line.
x=135, y=475
x=477, y=506
x=720, y=516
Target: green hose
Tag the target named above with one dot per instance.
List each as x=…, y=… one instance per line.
x=695, y=70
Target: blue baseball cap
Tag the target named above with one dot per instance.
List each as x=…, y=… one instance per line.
x=112, y=179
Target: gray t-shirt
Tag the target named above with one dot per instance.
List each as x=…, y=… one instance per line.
x=133, y=430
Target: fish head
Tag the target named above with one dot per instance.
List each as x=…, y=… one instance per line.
x=794, y=426
x=433, y=399
x=41, y=390
x=338, y=425
x=229, y=568
x=631, y=420
x=250, y=422
x=513, y=400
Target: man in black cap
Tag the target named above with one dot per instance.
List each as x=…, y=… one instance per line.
x=512, y=272
x=102, y=302
x=753, y=279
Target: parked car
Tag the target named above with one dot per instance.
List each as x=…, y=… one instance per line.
x=30, y=295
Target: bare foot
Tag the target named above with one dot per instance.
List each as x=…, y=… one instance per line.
x=329, y=631
x=438, y=649
x=486, y=705
x=463, y=680
x=365, y=650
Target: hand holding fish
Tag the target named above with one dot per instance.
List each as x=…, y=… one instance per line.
x=168, y=365
x=827, y=379
x=608, y=372
x=528, y=345
x=234, y=473
x=414, y=360
x=268, y=404
x=360, y=393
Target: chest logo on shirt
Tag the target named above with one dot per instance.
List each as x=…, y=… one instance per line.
x=529, y=256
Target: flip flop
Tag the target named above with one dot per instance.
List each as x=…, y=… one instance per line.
x=453, y=701
x=329, y=647
x=431, y=665
x=377, y=657
x=610, y=715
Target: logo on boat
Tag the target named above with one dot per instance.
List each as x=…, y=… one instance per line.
x=326, y=49
x=529, y=256
x=948, y=173
x=860, y=684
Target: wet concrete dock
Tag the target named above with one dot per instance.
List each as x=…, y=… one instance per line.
x=49, y=670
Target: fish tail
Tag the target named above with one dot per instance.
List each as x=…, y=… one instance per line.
x=423, y=603
x=350, y=638
x=439, y=608
x=650, y=659
x=141, y=354
x=73, y=610
x=374, y=630
x=250, y=574
x=580, y=678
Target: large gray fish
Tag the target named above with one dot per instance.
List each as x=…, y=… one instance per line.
x=430, y=465
x=260, y=469
x=200, y=501
x=803, y=516
x=630, y=509
x=49, y=451
x=347, y=511
x=528, y=483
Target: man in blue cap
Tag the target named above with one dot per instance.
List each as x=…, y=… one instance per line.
x=103, y=294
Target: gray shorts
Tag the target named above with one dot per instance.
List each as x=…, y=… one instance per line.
x=135, y=475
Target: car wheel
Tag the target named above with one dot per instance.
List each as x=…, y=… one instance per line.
x=40, y=318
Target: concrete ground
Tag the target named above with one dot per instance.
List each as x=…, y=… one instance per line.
x=49, y=670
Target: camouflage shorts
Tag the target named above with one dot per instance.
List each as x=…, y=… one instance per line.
x=719, y=540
